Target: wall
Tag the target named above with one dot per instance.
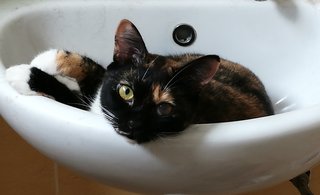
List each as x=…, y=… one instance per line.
x=25, y=171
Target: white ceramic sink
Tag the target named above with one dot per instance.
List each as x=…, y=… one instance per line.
x=278, y=40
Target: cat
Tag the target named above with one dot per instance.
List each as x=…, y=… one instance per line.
x=146, y=96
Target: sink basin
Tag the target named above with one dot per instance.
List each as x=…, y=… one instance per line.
x=278, y=40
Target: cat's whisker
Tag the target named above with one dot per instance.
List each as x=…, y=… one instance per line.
x=131, y=71
x=167, y=87
x=86, y=101
x=145, y=73
x=109, y=116
x=83, y=104
x=152, y=62
x=108, y=113
x=149, y=66
x=89, y=101
x=176, y=75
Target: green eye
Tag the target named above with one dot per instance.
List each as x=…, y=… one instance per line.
x=126, y=93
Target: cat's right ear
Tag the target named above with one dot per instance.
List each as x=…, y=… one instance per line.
x=197, y=73
x=129, y=45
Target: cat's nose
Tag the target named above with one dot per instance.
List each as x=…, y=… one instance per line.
x=132, y=124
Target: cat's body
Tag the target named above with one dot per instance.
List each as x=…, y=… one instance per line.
x=233, y=93
x=146, y=96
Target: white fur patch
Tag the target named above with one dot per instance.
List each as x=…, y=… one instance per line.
x=46, y=61
x=71, y=83
x=96, y=105
x=18, y=77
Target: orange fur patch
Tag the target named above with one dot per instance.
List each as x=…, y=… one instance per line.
x=71, y=65
x=170, y=66
x=160, y=95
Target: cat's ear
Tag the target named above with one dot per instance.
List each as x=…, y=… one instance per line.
x=129, y=46
x=200, y=71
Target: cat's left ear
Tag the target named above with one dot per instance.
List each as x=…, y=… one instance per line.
x=129, y=45
x=200, y=71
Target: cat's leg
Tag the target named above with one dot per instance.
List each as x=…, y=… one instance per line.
x=49, y=85
x=77, y=72
x=67, y=77
x=28, y=80
x=18, y=76
x=47, y=62
x=301, y=182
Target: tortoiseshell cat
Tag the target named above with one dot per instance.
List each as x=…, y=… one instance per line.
x=144, y=95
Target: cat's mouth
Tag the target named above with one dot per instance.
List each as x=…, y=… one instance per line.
x=126, y=135
x=122, y=132
x=134, y=136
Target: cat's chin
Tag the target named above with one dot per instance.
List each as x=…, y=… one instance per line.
x=125, y=135
x=121, y=132
x=131, y=141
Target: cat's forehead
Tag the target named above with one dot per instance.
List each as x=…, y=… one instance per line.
x=161, y=65
x=168, y=64
x=156, y=69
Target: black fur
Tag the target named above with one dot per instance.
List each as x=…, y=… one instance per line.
x=92, y=82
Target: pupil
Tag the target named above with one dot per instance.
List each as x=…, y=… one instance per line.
x=127, y=91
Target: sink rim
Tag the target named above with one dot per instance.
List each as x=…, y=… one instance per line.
x=156, y=150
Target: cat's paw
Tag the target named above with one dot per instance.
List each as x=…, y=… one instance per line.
x=18, y=77
x=60, y=62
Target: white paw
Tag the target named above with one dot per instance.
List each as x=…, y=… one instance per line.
x=18, y=77
x=46, y=61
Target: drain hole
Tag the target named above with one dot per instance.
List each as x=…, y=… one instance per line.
x=184, y=35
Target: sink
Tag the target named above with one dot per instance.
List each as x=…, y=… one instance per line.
x=278, y=40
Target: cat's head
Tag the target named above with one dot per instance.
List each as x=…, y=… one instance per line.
x=150, y=96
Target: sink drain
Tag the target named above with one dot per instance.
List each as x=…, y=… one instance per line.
x=184, y=35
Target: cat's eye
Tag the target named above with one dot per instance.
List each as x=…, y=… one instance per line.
x=164, y=109
x=125, y=92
